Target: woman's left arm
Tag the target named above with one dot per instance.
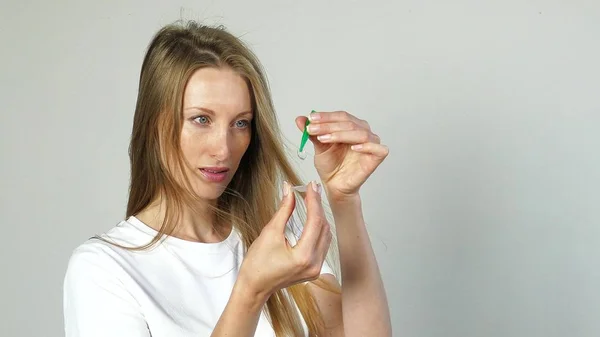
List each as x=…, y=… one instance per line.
x=347, y=152
x=365, y=310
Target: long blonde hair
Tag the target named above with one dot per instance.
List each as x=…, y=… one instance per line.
x=249, y=202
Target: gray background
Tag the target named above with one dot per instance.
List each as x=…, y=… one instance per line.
x=485, y=216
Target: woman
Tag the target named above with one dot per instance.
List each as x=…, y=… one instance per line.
x=206, y=249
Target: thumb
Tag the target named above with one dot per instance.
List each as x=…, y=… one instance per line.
x=286, y=208
x=301, y=122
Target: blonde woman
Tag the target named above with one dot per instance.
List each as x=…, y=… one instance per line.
x=211, y=244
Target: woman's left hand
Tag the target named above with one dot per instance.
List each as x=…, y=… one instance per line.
x=347, y=152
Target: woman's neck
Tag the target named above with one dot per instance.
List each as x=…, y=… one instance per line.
x=197, y=226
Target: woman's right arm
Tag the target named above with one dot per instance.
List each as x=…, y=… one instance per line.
x=272, y=264
x=95, y=302
x=241, y=314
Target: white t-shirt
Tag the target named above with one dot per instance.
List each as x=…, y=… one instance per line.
x=176, y=289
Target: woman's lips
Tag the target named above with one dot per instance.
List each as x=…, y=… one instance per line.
x=214, y=175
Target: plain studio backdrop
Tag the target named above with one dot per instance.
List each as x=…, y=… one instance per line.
x=485, y=217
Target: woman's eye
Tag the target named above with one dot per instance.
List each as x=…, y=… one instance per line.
x=242, y=123
x=201, y=119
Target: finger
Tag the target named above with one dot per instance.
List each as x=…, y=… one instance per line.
x=334, y=116
x=301, y=122
x=324, y=240
x=349, y=137
x=286, y=208
x=319, y=147
x=377, y=150
x=320, y=250
x=377, y=139
x=325, y=128
x=314, y=215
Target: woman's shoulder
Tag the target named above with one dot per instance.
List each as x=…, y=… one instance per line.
x=127, y=233
x=90, y=258
x=97, y=278
x=107, y=251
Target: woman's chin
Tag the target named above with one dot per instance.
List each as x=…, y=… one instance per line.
x=211, y=193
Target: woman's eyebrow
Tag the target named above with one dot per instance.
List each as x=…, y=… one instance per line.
x=212, y=112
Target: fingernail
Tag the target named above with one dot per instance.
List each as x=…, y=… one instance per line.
x=286, y=188
x=315, y=116
x=324, y=137
x=313, y=128
x=316, y=187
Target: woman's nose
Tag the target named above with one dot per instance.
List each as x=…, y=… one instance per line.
x=220, y=147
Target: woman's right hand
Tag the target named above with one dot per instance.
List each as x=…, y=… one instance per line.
x=271, y=263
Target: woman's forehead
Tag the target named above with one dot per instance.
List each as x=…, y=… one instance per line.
x=220, y=90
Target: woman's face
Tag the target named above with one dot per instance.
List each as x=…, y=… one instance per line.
x=216, y=131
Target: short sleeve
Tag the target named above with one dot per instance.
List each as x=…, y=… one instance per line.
x=95, y=302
